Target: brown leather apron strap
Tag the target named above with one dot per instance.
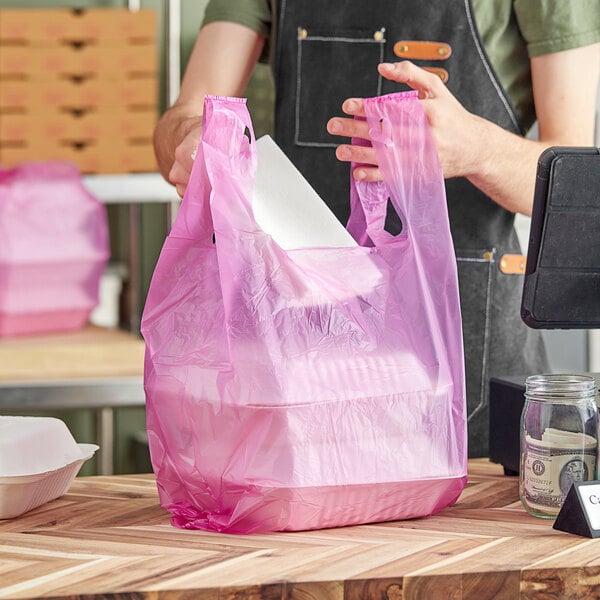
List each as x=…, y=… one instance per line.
x=441, y=73
x=414, y=49
x=512, y=264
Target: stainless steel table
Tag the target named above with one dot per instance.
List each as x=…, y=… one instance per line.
x=92, y=369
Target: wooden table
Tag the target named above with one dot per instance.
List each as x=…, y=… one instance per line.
x=92, y=368
x=109, y=538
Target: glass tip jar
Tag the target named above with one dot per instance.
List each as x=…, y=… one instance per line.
x=559, y=440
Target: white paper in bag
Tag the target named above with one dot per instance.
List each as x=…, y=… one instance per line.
x=286, y=206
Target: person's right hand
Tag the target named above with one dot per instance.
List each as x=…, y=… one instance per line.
x=455, y=131
x=185, y=153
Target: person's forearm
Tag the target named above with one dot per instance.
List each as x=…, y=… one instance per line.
x=504, y=167
x=564, y=86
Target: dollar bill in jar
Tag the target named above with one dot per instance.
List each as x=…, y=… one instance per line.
x=551, y=465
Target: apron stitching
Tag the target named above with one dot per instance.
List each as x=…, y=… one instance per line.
x=481, y=260
x=486, y=340
x=315, y=144
x=487, y=67
x=325, y=38
x=298, y=88
x=379, y=78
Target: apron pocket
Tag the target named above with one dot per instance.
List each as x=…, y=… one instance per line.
x=345, y=63
x=476, y=283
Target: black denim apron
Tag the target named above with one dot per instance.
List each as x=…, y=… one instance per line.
x=328, y=51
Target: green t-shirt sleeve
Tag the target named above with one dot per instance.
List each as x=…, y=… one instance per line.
x=254, y=14
x=555, y=25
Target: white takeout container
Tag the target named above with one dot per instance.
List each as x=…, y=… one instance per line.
x=39, y=458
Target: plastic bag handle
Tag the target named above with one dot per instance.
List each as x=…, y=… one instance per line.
x=230, y=145
x=368, y=212
x=409, y=164
x=412, y=175
x=220, y=115
x=368, y=208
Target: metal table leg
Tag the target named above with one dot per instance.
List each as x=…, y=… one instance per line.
x=105, y=437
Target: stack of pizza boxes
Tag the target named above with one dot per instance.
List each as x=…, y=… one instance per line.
x=79, y=85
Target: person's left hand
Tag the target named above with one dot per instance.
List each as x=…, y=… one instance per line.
x=456, y=131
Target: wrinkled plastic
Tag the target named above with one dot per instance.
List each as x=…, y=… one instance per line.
x=278, y=397
x=54, y=246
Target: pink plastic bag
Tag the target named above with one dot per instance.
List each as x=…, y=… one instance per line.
x=53, y=248
x=282, y=392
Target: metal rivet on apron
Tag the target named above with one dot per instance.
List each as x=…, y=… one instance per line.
x=442, y=51
x=402, y=48
x=488, y=255
x=302, y=33
x=378, y=35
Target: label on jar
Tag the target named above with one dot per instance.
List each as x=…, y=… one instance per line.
x=552, y=464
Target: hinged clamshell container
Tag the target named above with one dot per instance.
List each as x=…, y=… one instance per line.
x=39, y=458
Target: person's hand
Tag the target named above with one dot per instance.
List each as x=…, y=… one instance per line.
x=185, y=153
x=455, y=131
x=220, y=64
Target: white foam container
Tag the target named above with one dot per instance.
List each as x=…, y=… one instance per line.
x=39, y=458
